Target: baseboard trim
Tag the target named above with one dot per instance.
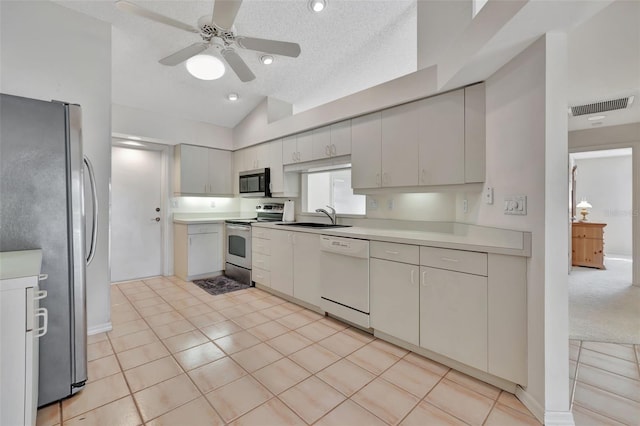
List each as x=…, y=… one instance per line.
x=100, y=328
x=531, y=403
x=559, y=418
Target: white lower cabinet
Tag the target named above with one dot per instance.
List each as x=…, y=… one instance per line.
x=282, y=261
x=395, y=301
x=306, y=267
x=453, y=315
x=197, y=250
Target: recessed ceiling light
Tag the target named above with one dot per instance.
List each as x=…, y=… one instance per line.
x=232, y=96
x=131, y=143
x=266, y=59
x=205, y=67
x=317, y=6
x=596, y=117
x=134, y=138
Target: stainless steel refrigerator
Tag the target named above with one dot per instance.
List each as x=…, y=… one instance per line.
x=42, y=205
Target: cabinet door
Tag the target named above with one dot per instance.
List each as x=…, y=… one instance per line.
x=321, y=143
x=474, y=133
x=306, y=267
x=341, y=138
x=400, y=145
x=238, y=164
x=261, y=155
x=304, y=142
x=275, y=164
x=203, y=253
x=289, y=150
x=249, y=158
x=395, y=299
x=282, y=262
x=220, y=172
x=453, y=315
x=366, y=140
x=194, y=169
x=441, y=125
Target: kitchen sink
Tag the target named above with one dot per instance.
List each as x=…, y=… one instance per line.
x=313, y=225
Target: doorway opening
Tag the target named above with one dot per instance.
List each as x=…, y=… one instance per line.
x=138, y=210
x=603, y=302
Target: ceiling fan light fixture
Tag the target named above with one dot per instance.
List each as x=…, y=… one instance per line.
x=317, y=6
x=205, y=67
x=232, y=97
x=266, y=59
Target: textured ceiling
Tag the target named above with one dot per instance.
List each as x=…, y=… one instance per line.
x=352, y=45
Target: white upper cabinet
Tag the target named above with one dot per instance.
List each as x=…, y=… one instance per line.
x=366, y=148
x=474, y=133
x=400, y=145
x=282, y=184
x=304, y=143
x=202, y=171
x=289, y=150
x=441, y=124
x=332, y=141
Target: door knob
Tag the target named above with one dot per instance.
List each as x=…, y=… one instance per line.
x=157, y=219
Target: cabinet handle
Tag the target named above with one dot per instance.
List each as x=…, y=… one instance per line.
x=327, y=151
x=448, y=259
x=41, y=294
x=298, y=156
x=189, y=241
x=413, y=280
x=423, y=178
x=43, y=277
x=391, y=252
x=293, y=156
x=44, y=314
x=333, y=150
x=378, y=181
x=424, y=278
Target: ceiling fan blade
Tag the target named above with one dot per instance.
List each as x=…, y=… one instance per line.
x=283, y=48
x=224, y=12
x=127, y=6
x=238, y=65
x=184, y=54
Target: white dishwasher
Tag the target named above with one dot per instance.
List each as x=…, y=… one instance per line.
x=344, y=263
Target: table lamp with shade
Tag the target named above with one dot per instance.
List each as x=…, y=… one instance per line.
x=584, y=206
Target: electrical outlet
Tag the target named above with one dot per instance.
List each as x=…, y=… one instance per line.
x=373, y=204
x=465, y=206
x=212, y=204
x=390, y=204
x=488, y=195
x=515, y=205
x=174, y=204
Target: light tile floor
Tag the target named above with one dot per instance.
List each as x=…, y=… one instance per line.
x=179, y=356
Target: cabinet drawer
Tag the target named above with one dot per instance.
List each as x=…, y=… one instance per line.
x=587, y=232
x=205, y=228
x=454, y=260
x=397, y=252
x=260, y=245
x=261, y=232
x=261, y=276
x=261, y=261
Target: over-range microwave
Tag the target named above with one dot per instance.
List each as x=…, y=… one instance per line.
x=255, y=183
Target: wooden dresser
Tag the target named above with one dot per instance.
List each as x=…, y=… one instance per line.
x=587, y=244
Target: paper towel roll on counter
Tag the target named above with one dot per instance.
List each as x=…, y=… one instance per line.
x=289, y=210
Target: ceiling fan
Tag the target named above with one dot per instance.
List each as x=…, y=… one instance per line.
x=217, y=31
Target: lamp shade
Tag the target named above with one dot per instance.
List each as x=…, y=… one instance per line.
x=584, y=204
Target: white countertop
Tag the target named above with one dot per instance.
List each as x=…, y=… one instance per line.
x=19, y=264
x=463, y=237
x=200, y=218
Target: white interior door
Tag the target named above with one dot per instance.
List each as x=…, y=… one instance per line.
x=136, y=234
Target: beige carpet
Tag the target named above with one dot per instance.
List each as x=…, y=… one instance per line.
x=603, y=305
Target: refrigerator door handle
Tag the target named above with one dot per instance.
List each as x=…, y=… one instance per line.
x=94, y=197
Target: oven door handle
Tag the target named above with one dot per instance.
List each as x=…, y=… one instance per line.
x=240, y=227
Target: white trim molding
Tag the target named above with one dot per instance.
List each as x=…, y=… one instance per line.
x=531, y=403
x=559, y=418
x=100, y=328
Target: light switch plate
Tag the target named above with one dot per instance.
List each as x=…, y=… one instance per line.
x=488, y=195
x=515, y=205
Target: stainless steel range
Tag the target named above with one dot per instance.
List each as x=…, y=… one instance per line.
x=238, y=257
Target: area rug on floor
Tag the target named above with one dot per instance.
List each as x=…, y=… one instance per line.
x=219, y=285
x=603, y=305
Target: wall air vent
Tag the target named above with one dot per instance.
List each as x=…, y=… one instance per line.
x=602, y=106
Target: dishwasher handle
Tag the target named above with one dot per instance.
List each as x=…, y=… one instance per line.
x=345, y=246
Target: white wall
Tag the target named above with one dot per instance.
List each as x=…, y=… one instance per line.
x=168, y=129
x=606, y=184
x=527, y=154
x=51, y=52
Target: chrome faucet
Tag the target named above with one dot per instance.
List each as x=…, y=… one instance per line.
x=331, y=215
